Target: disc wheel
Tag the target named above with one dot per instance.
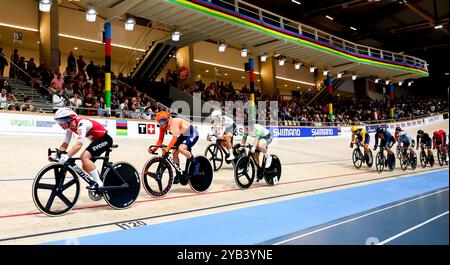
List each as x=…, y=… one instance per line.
x=441, y=158
x=121, y=198
x=273, y=173
x=55, y=190
x=423, y=159
x=201, y=174
x=157, y=177
x=379, y=162
x=404, y=159
x=357, y=158
x=369, y=158
x=244, y=172
x=215, y=155
x=413, y=161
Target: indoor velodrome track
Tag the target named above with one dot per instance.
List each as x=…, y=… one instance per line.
x=321, y=199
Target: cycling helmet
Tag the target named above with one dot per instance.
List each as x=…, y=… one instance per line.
x=401, y=134
x=420, y=132
x=436, y=133
x=398, y=129
x=380, y=129
x=216, y=114
x=162, y=117
x=355, y=128
x=65, y=115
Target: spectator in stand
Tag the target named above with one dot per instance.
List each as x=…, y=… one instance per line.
x=27, y=105
x=89, y=104
x=15, y=59
x=75, y=102
x=31, y=66
x=80, y=63
x=68, y=90
x=148, y=114
x=3, y=62
x=4, y=84
x=57, y=81
x=58, y=100
x=4, y=98
x=91, y=69
x=71, y=61
x=21, y=68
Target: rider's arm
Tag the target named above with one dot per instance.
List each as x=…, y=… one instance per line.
x=66, y=142
x=162, y=132
x=376, y=139
x=353, y=137
x=83, y=128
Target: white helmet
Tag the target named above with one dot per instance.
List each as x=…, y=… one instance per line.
x=216, y=114
x=65, y=113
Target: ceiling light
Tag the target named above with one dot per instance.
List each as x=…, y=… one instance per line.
x=330, y=18
x=296, y=2
x=377, y=80
x=176, y=35
x=311, y=69
x=325, y=72
x=410, y=83
x=264, y=57
x=91, y=14
x=281, y=61
x=75, y=48
x=438, y=27
x=243, y=77
x=387, y=82
x=354, y=77
x=339, y=75
x=244, y=52
x=207, y=71
x=222, y=46
x=353, y=28
x=285, y=85
x=400, y=83
x=298, y=65
x=225, y=74
x=45, y=5
x=129, y=23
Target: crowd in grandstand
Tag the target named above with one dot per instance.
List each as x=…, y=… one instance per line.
x=80, y=86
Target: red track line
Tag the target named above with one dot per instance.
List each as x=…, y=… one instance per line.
x=191, y=195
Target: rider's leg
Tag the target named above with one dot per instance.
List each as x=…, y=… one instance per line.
x=263, y=148
x=175, y=155
x=183, y=149
x=228, y=145
x=90, y=167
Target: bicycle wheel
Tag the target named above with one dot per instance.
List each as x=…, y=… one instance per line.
x=423, y=159
x=398, y=151
x=404, y=161
x=391, y=162
x=56, y=191
x=273, y=173
x=369, y=158
x=413, y=161
x=357, y=158
x=379, y=162
x=121, y=198
x=214, y=154
x=201, y=174
x=244, y=172
x=440, y=157
x=157, y=177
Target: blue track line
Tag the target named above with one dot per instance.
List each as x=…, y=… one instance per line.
x=262, y=223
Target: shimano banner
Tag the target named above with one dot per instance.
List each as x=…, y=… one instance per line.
x=373, y=128
x=295, y=132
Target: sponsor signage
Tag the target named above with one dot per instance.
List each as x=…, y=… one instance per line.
x=295, y=132
x=145, y=128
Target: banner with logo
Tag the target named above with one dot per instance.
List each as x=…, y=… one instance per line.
x=297, y=132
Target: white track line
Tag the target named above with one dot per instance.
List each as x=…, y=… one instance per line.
x=412, y=228
x=356, y=218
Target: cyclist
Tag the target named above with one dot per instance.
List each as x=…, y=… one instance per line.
x=397, y=131
x=424, y=139
x=184, y=135
x=406, y=141
x=224, y=129
x=440, y=138
x=83, y=128
x=361, y=137
x=387, y=141
x=262, y=140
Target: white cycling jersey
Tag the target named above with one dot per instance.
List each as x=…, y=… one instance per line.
x=224, y=124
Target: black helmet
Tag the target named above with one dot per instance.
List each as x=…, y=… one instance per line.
x=420, y=132
x=380, y=129
x=398, y=129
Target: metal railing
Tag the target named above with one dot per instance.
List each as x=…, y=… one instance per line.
x=272, y=19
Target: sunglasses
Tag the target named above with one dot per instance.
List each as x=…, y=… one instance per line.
x=63, y=121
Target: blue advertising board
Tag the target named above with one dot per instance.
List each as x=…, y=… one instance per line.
x=296, y=132
x=373, y=128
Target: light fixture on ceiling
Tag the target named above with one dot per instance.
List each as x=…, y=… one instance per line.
x=325, y=72
x=45, y=5
x=244, y=52
x=91, y=14
x=410, y=83
x=400, y=83
x=176, y=35
x=297, y=65
x=129, y=23
x=353, y=28
x=282, y=60
x=354, y=77
x=377, y=80
x=222, y=46
x=339, y=75
x=330, y=18
x=312, y=69
x=75, y=48
x=438, y=27
x=387, y=82
x=264, y=57
x=296, y=2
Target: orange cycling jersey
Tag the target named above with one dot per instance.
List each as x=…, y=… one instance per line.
x=176, y=126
